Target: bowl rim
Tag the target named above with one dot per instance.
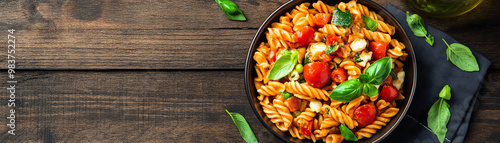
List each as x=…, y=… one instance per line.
x=278, y=10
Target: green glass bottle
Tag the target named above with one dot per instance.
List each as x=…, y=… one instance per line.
x=443, y=8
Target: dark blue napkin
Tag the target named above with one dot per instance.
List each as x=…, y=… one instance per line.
x=433, y=73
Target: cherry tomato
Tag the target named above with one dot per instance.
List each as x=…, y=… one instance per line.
x=305, y=35
x=388, y=93
x=293, y=104
x=339, y=75
x=272, y=57
x=325, y=58
x=331, y=39
x=321, y=19
x=307, y=129
x=379, y=49
x=316, y=74
x=365, y=114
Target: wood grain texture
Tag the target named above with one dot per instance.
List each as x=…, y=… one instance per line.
x=124, y=106
x=189, y=34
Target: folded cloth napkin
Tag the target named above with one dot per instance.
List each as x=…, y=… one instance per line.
x=433, y=73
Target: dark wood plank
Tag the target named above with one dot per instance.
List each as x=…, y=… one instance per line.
x=175, y=106
x=189, y=34
x=123, y=106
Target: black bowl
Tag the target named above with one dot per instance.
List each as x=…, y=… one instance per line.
x=408, y=86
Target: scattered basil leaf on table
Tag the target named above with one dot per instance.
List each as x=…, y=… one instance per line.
x=242, y=124
x=347, y=134
x=284, y=65
x=417, y=26
x=370, y=24
x=375, y=74
x=341, y=18
x=461, y=56
x=231, y=10
x=439, y=114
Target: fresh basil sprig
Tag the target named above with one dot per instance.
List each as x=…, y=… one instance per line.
x=417, y=25
x=439, y=114
x=375, y=74
x=370, y=24
x=347, y=134
x=242, y=124
x=341, y=18
x=461, y=56
x=284, y=65
x=231, y=10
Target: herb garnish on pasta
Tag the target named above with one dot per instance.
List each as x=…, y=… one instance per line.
x=347, y=53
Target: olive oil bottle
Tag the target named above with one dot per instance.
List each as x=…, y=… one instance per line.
x=443, y=8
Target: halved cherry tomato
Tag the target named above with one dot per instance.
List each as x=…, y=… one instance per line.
x=379, y=49
x=321, y=19
x=388, y=93
x=316, y=74
x=304, y=36
x=331, y=39
x=365, y=114
x=325, y=58
x=339, y=75
x=272, y=57
x=307, y=129
x=293, y=104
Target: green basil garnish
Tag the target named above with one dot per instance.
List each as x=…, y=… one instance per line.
x=306, y=59
x=357, y=59
x=370, y=24
x=439, y=114
x=347, y=133
x=347, y=91
x=375, y=74
x=331, y=49
x=324, y=39
x=284, y=65
x=461, y=56
x=296, y=113
x=417, y=26
x=231, y=10
x=379, y=70
x=286, y=95
x=341, y=18
x=394, y=75
x=242, y=124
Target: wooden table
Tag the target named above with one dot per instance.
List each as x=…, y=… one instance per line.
x=165, y=71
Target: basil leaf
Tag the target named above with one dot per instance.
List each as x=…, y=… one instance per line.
x=370, y=90
x=438, y=117
x=296, y=113
x=370, y=24
x=324, y=39
x=394, y=75
x=379, y=70
x=286, y=95
x=347, y=91
x=242, y=124
x=445, y=93
x=331, y=49
x=416, y=24
x=364, y=78
x=341, y=18
x=307, y=60
x=429, y=39
x=462, y=57
x=231, y=10
x=347, y=134
x=357, y=59
x=283, y=66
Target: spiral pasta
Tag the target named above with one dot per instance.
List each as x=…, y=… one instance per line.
x=305, y=109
